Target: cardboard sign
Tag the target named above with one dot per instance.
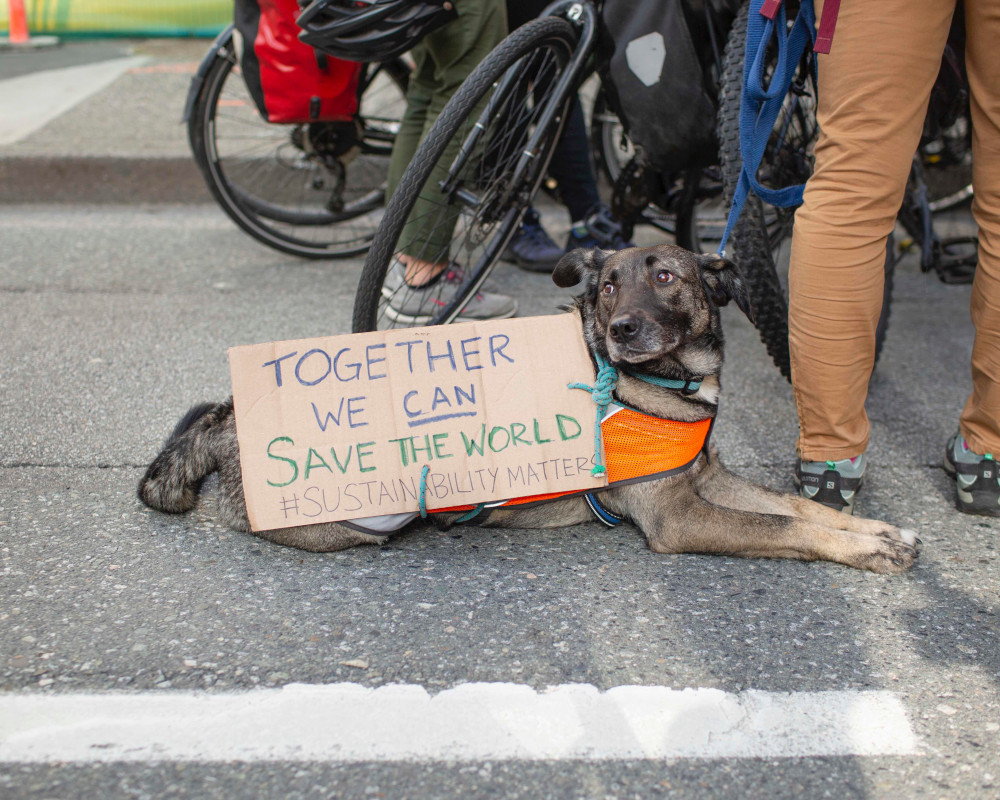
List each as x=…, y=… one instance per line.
x=340, y=427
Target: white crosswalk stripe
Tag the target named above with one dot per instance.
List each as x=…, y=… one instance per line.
x=476, y=721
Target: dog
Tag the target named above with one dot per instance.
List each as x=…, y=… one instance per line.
x=653, y=315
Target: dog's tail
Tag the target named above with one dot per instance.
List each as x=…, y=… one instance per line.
x=191, y=453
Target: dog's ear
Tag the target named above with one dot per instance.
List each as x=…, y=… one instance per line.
x=579, y=265
x=724, y=282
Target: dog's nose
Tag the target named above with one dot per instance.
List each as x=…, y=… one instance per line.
x=624, y=328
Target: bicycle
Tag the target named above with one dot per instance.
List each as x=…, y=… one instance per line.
x=508, y=115
x=287, y=185
x=758, y=241
x=687, y=201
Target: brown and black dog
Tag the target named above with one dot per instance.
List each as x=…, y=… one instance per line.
x=650, y=312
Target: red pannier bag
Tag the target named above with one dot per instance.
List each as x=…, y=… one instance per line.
x=290, y=81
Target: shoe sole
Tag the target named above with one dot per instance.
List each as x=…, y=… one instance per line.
x=980, y=504
x=980, y=508
x=846, y=508
x=408, y=319
x=530, y=266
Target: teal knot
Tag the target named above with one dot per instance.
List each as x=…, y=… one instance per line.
x=603, y=393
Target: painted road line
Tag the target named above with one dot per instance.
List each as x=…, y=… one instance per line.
x=28, y=102
x=472, y=722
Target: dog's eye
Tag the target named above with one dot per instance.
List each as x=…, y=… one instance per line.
x=664, y=276
x=608, y=288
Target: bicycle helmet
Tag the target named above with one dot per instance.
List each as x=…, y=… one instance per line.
x=371, y=30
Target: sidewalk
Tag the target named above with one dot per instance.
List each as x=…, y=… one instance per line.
x=98, y=121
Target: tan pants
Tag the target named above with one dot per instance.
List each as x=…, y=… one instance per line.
x=873, y=93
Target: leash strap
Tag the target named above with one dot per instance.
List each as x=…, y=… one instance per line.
x=761, y=104
x=607, y=517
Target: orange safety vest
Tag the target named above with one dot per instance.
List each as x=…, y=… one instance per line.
x=637, y=447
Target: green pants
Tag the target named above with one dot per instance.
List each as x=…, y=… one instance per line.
x=443, y=60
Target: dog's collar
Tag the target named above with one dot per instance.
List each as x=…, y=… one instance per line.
x=685, y=387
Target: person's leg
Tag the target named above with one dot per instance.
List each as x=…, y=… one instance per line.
x=873, y=92
x=571, y=165
x=411, y=126
x=980, y=421
x=971, y=453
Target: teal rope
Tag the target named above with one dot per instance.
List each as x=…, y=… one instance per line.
x=422, y=501
x=601, y=391
x=475, y=512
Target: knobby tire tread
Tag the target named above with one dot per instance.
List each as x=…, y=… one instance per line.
x=748, y=242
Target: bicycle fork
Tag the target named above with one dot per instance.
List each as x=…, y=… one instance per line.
x=582, y=16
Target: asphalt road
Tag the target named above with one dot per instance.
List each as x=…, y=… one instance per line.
x=117, y=318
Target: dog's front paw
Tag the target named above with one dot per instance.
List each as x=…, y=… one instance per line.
x=894, y=551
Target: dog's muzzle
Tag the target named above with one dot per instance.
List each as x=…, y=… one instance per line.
x=624, y=328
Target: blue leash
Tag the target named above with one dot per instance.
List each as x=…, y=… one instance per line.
x=760, y=104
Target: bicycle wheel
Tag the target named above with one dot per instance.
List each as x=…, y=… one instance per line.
x=282, y=184
x=462, y=210
x=759, y=242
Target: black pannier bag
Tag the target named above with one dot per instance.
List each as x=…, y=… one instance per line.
x=658, y=80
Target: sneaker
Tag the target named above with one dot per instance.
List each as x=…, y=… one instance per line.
x=832, y=483
x=975, y=478
x=532, y=248
x=599, y=229
x=412, y=305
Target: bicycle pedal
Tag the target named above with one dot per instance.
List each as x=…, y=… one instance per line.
x=956, y=260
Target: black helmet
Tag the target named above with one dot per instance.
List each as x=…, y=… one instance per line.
x=371, y=30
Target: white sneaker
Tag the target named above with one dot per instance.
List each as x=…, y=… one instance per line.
x=413, y=305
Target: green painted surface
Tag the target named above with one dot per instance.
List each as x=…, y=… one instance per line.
x=124, y=17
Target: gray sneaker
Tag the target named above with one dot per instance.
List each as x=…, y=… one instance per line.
x=832, y=483
x=975, y=478
x=412, y=305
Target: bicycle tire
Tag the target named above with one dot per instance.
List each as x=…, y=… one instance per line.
x=262, y=177
x=759, y=235
x=492, y=119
